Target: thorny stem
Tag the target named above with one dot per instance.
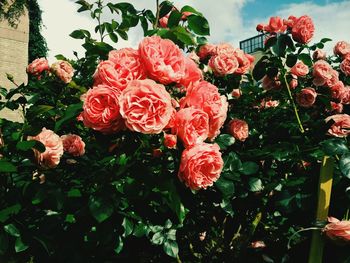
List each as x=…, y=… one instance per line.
x=301, y=128
x=155, y=24
x=99, y=20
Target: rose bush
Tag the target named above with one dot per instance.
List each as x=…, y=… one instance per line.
x=178, y=145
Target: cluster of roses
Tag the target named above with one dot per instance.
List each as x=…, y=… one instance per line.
x=324, y=76
x=129, y=93
x=62, y=69
x=55, y=146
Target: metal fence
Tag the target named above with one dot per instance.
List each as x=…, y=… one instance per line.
x=251, y=44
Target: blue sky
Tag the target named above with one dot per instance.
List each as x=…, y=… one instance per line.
x=230, y=20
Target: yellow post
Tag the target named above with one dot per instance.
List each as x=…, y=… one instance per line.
x=324, y=198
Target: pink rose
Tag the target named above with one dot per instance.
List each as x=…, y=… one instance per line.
x=38, y=66
x=192, y=73
x=345, y=65
x=244, y=62
x=345, y=95
x=191, y=126
x=306, y=97
x=336, y=107
x=323, y=74
x=275, y=25
x=293, y=83
x=303, y=29
x=163, y=60
x=146, y=106
x=260, y=27
x=206, y=51
x=236, y=93
x=258, y=244
x=163, y=21
x=269, y=84
x=341, y=125
x=290, y=21
x=170, y=141
x=337, y=230
x=239, y=129
x=200, y=166
x=101, y=110
x=106, y=74
x=53, y=148
x=269, y=104
x=63, y=70
x=224, y=48
x=73, y=144
x=299, y=69
x=193, y=56
x=337, y=90
x=319, y=54
x=342, y=48
x=223, y=64
x=204, y=95
x=127, y=67
x=185, y=15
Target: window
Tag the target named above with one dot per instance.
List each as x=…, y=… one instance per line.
x=251, y=44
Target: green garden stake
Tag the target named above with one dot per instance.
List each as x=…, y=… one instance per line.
x=324, y=197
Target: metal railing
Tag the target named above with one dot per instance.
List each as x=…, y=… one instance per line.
x=251, y=44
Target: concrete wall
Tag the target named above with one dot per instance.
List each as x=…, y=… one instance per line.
x=13, y=58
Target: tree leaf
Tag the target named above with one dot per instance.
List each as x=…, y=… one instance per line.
x=7, y=167
x=171, y=248
x=101, y=209
x=198, y=25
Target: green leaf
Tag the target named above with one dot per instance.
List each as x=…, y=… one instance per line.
x=144, y=25
x=306, y=59
x=101, y=209
x=128, y=227
x=12, y=230
x=291, y=60
x=80, y=34
x=165, y=8
x=74, y=193
x=226, y=187
x=71, y=112
x=120, y=245
x=158, y=238
x=140, y=230
x=255, y=184
x=122, y=34
x=113, y=36
x=9, y=211
x=20, y=246
x=171, y=235
x=174, y=18
x=334, y=146
x=70, y=218
x=26, y=145
x=224, y=141
x=249, y=168
x=183, y=36
x=188, y=8
x=232, y=162
x=171, y=248
x=37, y=110
x=7, y=167
x=259, y=70
x=344, y=165
x=198, y=25
x=324, y=40
x=168, y=224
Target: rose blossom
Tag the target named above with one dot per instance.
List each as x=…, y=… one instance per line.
x=236, y=93
x=239, y=129
x=163, y=60
x=345, y=65
x=269, y=84
x=204, y=95
x=170, y=140
x=319, y=54
x=290, y=21
x=336, y=107
x=163, y=21
x=345, y=95
x=299, y=69
x=224, y=48
x=73, y=144
x=342, y=48
x=258, y=244
x=191, y=125
x=306, y=97
x=223, y=64
x=63, y=70
x=127, y=67
x=337, y=230
x=337, y=90
x=269, y=104
x=193, y=56
x=146, y=106
x=260, y=27
x=206, y=51
x=53, y=148
x=38, y=66
x=293, y=83
x=192, y=73
x=200, y=165
x=323, y=74
x=303, y=29
x=341, y=125
x=244, y=62
x=275, y=25
x=101, y=110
